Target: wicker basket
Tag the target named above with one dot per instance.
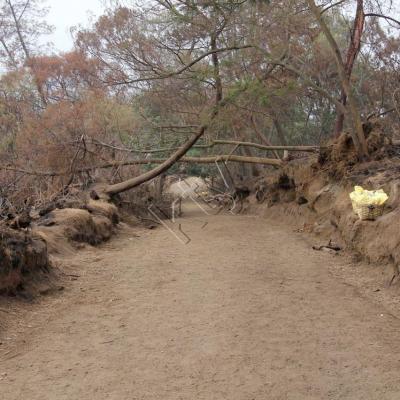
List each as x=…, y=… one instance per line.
x=368, y=211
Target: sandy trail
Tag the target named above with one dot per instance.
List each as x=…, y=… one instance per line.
x=245, y=311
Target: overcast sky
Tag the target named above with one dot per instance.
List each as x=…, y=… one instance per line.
x=66, y=13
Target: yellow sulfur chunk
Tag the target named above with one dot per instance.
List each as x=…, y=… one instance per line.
x=361, y=196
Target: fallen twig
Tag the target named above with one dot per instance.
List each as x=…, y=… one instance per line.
x=329, y=246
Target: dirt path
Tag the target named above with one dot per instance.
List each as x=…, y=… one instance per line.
x=245, y=311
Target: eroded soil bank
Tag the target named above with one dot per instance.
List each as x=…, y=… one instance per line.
x=313, y=194
x=246, y=310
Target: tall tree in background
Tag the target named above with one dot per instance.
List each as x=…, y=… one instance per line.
x=22, y=24
x=357, y=131
x=352, y=53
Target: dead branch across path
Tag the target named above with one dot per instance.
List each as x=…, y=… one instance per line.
x=270, y=147
x=215, y=143
x=166, y=163
x=194, y=160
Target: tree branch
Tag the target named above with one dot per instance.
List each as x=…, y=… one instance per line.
x=191, y=160
x=184, y=68
x=212, y=144
x=196, y=160
x=382, y=16
x=357, y=131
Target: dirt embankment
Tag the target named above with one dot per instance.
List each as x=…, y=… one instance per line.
x=313, y=194
x=63, y=228
x=22, y=256
x=30, y=242
x=26, y=254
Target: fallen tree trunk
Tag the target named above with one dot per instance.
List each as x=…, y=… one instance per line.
x=195, y=160
x=215, y=143
x=201, y=160
x=270, y=147
x=164, y=166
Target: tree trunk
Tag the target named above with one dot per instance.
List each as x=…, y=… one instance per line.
x=352, y=53
x=263, y=147
x=280, y=132
x=160, y=186
x=357, y=132
x=28, y=58
x=165, y=165
x=254, y=171
x=9, y=54
x=217, y=75
x=262, y=137
x=189, y=160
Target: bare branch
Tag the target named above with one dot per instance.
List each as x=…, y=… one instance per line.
x=184, y=68
x=382, y=16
